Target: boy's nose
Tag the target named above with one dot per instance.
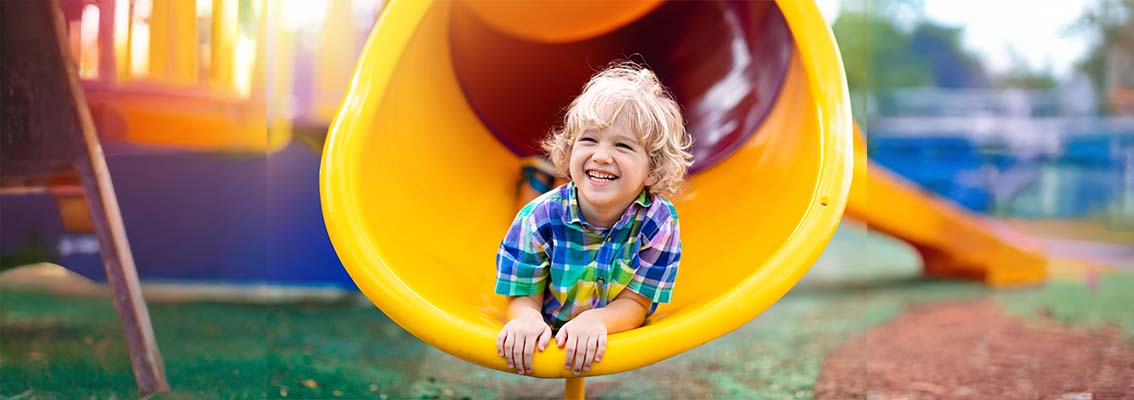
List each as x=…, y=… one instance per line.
x=601, y=154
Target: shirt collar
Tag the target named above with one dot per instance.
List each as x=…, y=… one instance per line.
x=575, y=215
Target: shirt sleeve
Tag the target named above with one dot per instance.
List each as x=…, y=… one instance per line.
x=522, y=262
x=657, y=263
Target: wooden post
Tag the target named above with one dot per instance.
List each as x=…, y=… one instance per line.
x=117, y=259
x=47, y=127
x=121, y=274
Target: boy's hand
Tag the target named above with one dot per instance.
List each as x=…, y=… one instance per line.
x=517, y=341
x=585, y=340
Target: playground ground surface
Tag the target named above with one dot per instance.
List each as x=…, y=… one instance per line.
x=862, y=324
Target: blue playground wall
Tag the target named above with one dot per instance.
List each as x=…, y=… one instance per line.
x=944, y=165
x=1086, y=175
x=234, y=218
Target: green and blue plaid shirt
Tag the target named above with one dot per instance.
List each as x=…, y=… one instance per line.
x=550, y=249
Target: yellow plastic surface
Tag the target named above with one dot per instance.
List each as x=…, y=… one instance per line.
x=417, y=195
x=954, y=243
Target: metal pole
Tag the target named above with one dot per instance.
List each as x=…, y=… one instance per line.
x=574, y=389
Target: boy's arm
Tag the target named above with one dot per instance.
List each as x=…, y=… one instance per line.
x=522, y=266
x=584, y=337
x=626, y=312
x=520, y=305
x=524, y=333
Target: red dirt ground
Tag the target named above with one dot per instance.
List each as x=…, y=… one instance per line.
x=973, y=350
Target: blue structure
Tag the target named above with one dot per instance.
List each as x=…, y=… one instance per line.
x=949, y=166
x=1085, y=174
x=191, y=216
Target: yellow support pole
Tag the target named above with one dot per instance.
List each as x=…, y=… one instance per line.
x=574, y=389
x=159, y=40
x=221, y=46
x=279, y=44
x=185, y=66
x=334, y=64
x=124, y=28
x=260, y=61
x=173, y=41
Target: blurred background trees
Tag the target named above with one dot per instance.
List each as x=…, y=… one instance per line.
x=1002, y=122
x=892, y=44
x=1110, y=61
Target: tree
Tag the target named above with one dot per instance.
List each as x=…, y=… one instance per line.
x=1111, y=22
x=951, y=64
x=877, y=54
x=1022, y=76
x=889, y=44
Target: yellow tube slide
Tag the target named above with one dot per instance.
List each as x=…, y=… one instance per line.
x=418, y=189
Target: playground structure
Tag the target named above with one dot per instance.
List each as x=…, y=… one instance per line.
x=145, y=100
x=154, y=81
x=225, y=71
x=426, y=124
x=145, y=64
x=205, y=110
x=425, y=120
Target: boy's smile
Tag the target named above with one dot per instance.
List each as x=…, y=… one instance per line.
x=599, y=178
x=610, y=167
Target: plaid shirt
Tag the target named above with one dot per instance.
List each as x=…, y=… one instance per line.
x=550, y=248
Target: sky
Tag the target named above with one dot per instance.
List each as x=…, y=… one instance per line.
x=993, y=27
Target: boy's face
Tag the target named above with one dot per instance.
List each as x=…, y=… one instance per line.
x=609, y=166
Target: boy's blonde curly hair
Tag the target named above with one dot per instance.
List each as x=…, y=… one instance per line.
x=626, y=89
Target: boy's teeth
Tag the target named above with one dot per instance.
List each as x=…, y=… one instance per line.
x=600, y=175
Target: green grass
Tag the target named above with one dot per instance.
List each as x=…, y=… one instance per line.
x=1073, y=303
x=68, y=347
x=65, y=347
x=60, y=347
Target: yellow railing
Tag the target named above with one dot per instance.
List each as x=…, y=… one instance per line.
x=195, y=73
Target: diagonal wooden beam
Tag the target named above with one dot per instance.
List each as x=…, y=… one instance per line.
x=48, y=127
x=117, y=259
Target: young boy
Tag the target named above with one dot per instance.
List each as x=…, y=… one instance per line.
x=596, y=255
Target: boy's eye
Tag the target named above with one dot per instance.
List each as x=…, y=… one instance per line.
x=625, y=146
x=587, y=139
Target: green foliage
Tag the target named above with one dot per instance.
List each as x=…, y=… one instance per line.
x=1111, y=20
x=1023, y=77
x=890, y=44
x=877, y=54
x=1111, y=24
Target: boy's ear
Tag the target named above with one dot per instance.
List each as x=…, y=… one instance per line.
x=652, y=179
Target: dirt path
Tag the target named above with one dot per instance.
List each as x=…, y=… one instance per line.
x=973, y=350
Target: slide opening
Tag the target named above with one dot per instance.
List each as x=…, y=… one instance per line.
x=435, y=173
x=724, y=63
